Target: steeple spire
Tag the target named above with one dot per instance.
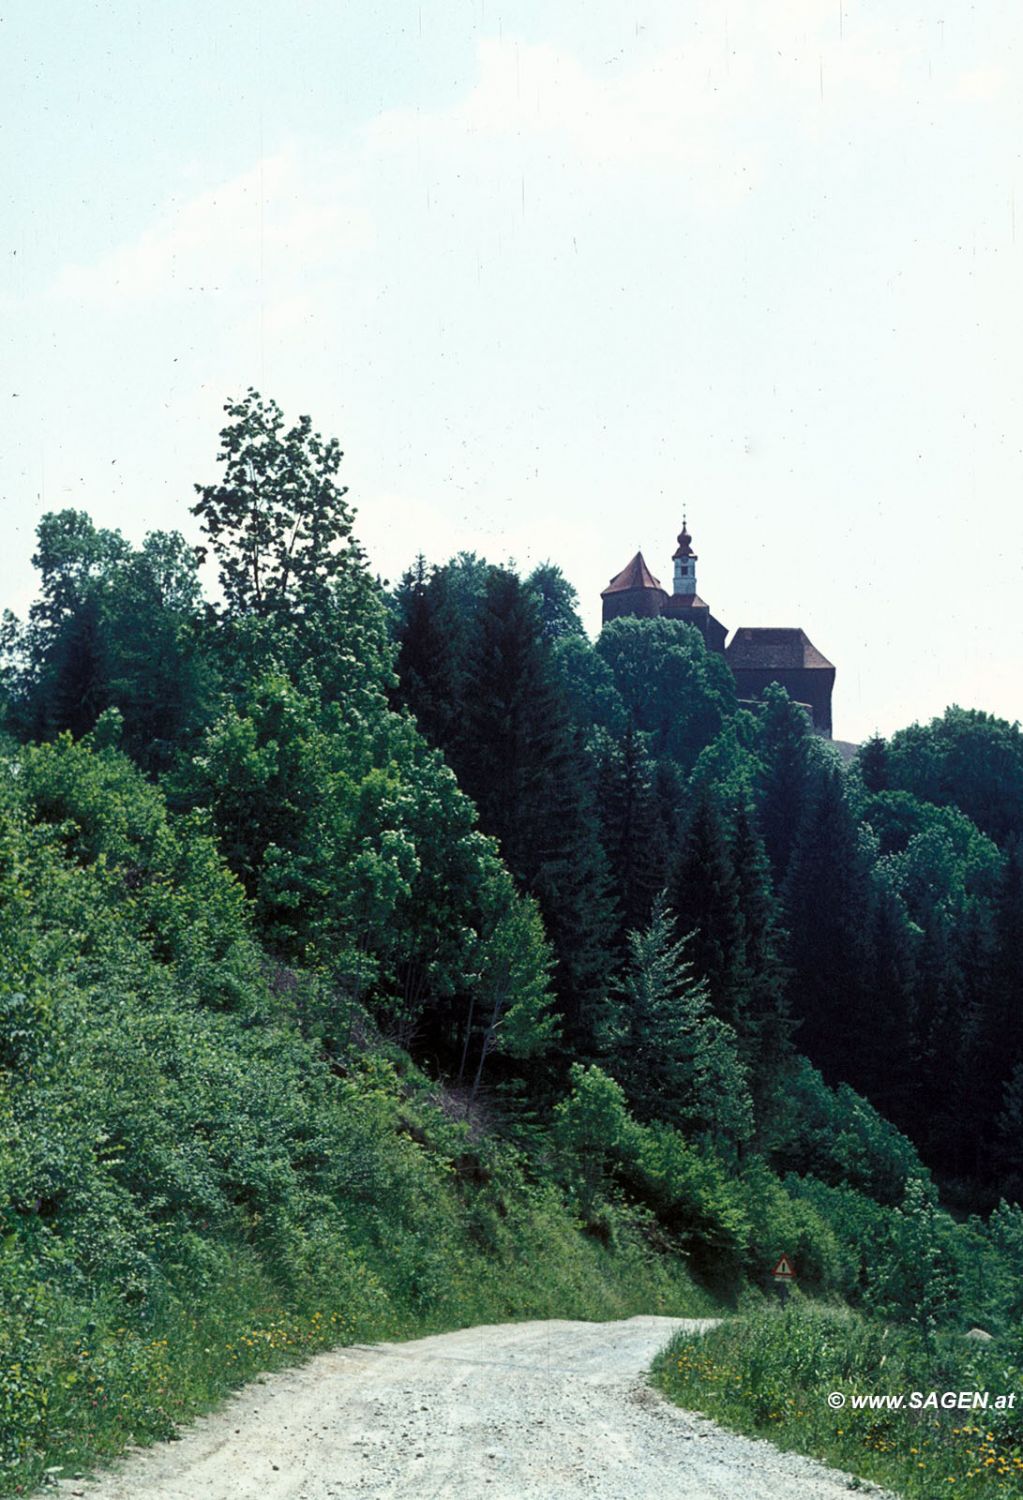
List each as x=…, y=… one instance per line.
x=685, y=562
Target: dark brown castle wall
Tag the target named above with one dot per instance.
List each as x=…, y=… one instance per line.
x=715, y=635
x=812, y=685
x=647, y=603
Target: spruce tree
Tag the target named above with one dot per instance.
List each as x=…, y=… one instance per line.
x=827, y=913
x=992, y=960
x=971, y=1093
x=1006, y=1010
x=883, y=1037
x=1008, y=1152
x=784, y=782
x=704, y=894
x=678, y=1062
x=427, y=670
x=632, y=831
x=872, y=762
x=438, y=612
x=519, y=758
x=79, y=687
x=935, y=1039
x=763, y=1012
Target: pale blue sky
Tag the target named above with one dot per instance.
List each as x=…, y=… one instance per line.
x=551, y=272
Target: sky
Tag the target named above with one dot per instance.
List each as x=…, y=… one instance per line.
x=554, y=273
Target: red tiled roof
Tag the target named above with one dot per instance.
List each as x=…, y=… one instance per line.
x=635, y=575
x=678, y=603
x=773, y=647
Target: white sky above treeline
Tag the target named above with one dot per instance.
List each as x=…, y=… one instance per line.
x=551, y=272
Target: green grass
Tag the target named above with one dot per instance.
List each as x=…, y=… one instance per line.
x=769, y=1373
x=100, y=1378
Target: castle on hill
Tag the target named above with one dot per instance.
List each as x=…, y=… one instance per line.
x=757, y=655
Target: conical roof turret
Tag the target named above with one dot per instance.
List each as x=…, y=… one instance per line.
x=635, y=575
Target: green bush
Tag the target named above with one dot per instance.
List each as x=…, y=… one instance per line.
x=839, y=1138
x=781, y=1223
x=190, y=1189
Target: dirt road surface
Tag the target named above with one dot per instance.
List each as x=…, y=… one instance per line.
x=516, y=1411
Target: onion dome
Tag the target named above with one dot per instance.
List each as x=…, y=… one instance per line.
x=685, y=543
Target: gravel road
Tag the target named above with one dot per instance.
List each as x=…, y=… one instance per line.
x=516, y=1411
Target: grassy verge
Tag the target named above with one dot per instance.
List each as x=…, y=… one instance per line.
x=95, y=1376
x=769, y=1374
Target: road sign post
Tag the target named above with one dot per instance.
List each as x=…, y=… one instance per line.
x=784, y=1275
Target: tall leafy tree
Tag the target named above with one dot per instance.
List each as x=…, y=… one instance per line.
x=161, y=677
x=558, y=602
x=277, y=522
x=115, y=627
x=967, y=759
x=64, y=654
x=588, y=686
x=72, y=555
x=295, y=588
x=677, y=691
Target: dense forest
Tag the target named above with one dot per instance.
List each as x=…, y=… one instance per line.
x=359, y=938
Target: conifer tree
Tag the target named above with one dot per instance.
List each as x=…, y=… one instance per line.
x=80, y=687
x=872, y=762
x=427, y=670
x=437, y=612
x=827, y=911
x=936, y=1018
x=882, y=1059
x=785, y=777
x=762, y=1012
x=1009, y=1140
x=1006, y=1008
x=678, y=1062
x=519, y=758
x=704, y=895
x=971, y=1095
x=632, y=831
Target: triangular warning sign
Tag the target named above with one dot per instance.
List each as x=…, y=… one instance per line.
x=784, y=1270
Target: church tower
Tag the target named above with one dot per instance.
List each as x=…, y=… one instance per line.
x=684, y=603
x=685, y=563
